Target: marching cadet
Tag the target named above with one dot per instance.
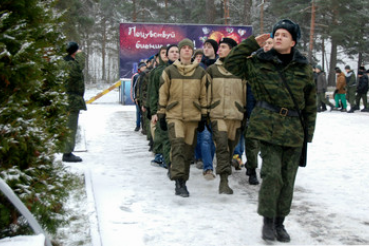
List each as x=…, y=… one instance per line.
x=284, y=88
x=183, y=108
x=227, y=102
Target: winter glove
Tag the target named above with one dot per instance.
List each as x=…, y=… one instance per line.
x=162, y=122
x=202, y=123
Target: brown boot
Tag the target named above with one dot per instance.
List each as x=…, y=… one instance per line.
x=223, y=185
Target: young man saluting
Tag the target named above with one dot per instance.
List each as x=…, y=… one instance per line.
x=275, y=121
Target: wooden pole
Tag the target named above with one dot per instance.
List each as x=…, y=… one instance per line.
x=226, y=12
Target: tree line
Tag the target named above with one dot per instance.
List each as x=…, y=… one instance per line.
x=95, y=24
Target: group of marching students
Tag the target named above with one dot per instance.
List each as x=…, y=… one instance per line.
x=194, y=109
x=196, y=104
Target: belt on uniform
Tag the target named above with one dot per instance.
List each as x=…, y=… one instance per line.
x=281, y=111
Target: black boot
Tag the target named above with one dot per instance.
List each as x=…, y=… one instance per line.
x=69, y=157
x=279, y=230
x=253, y=179
x=151, y=144
x=181, y=189
x=268, y=229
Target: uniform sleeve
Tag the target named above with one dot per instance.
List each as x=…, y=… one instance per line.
x=236, y=61
x=163, y=92
x=209, y=89
x=203, y=94
x=154, y=92
x=310, y=109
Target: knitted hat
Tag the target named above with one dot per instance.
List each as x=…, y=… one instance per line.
x=198, y=52
x=228, y=41
x=72, y=47
x=319, y=67
x=184, y=42
x=171, y=46
x=141, y=64
x=347, y=67
x=290, y=26
x=360, y=73
x=362, y=68
x=338, y=70
x=213, y=43
x=150, y=58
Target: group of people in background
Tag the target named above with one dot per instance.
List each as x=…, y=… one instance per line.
x=349, y=88
x=197, y=106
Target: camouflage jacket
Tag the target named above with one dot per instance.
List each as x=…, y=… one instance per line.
x=154, y=86
x=226, y=93
x=350, y=79
x=74, y=83
x=182, y=93
x=262, y=72
x=143, y=83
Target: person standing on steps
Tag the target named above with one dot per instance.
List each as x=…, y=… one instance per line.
x=283, y=85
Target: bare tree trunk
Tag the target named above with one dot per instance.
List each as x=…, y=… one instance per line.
x=103, y=48
x=134, y=12
x=323, y=52
x=332, y=65
x=210, y=11
x=247, y=12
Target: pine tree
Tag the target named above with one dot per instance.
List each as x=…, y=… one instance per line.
x=32, y=112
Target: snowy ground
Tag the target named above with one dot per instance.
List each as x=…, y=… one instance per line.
x=132, y=203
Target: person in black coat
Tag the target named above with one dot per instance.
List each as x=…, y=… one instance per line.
x=362, y=90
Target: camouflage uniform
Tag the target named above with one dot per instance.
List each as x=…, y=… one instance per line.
x=161, y=140
x=281, y=137
x=75, y=89
x=143, y=84
x=351, y=88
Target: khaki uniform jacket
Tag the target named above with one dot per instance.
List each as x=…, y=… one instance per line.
x=182, y=93
x=226, y=93
x=341, y=83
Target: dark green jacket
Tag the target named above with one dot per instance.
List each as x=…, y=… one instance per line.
x=143, y=83
x=74, y=83
x=261, y=71
x=154, y=86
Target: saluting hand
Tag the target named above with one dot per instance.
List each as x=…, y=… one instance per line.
x=261, y=39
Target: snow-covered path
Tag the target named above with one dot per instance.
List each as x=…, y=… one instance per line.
x=135, y=204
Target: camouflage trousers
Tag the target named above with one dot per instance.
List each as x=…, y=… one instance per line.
x=182, y=137
x=252, y=148
x=320, y=98
x=161, y=143
x=279, y=169
x=72, y=124
x=351, y=98
x=226, y=134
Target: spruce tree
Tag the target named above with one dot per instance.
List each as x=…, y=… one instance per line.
x=32, y=113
